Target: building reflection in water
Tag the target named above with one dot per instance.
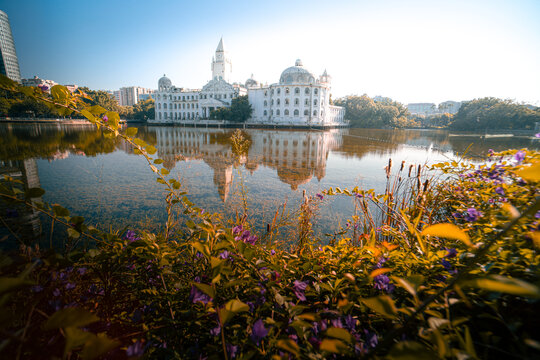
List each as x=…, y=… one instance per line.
x=297, y=156
x=23, y=220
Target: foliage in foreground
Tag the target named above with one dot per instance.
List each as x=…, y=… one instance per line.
x=448, y=270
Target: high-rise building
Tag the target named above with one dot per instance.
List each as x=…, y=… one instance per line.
x=9, y=64
x=129, y=96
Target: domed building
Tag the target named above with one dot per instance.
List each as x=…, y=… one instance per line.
x=299, y=99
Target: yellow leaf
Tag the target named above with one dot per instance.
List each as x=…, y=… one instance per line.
x=514, y=213
x=531, y=173
x=333, y=345
x=289, y=345
x=447, y=231
x=378, y=272
x=535, y=236
x=505, y=285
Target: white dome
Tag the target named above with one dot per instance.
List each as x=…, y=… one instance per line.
x=164, y=83
x=296, y=75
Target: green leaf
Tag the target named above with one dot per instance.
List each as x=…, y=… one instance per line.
x=70, y=317
x=339, y=333
x=87, y=114
x=60, y=92
x=97, y=110
x=151, y=149
x=410, y=350
x=98, y=345
x=75, y=338
x=505, y=285
x=131, y=131
x=236, y=306
x=73, y=233
x=382, y=305
x=333, y=346
x=158, y=161
x=447, y=231
x=139, y=142
x=34, y=192
x=8, y=284
x=207, y=289
x=289, y=345
x=164, y=171
x=60, y=211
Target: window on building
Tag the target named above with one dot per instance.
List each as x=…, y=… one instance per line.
x=296, y=101
x=265, y=113
x=315, y=102
x=286, y=112
x=159, y=113
x=272, y=92
x=305, y=112
x=277, y=112
x=314, y=112
x=159, y=106
x=159, y=97
x=306, y=91
x=316, y=91
x=286, y=101
x=265, y=92
x=297, y=90
x=278, y=91
x=265, y=103
x=296, y=112
x=165, y=105
x=287, y=91
x=278, y=101
x=306, y=102
x=272, y=102
x=175, y=106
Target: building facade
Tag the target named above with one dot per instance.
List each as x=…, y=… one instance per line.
x=298, y=99
x=9, y=63
x=129, y=96
x=36, y=81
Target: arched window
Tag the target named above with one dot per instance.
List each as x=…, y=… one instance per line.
x=164, y=105
x=159, y=106
x=316, y=91
x=175, y=106
x=278, y=91
x=306, y=101
x=265, y=103
x=277, y=112
x=305, y=112
x=265, y=112
x=306, y=91
x=314, y=112
x=296, y=101
x=265, y=92
x=286, y=112
x=296, y=113
x=287, y=91
x=159, y=113
x=170, y=97
x=272, y=102
x=297, y=90
x=315, y=102
x=286, y=101
x=278, y=101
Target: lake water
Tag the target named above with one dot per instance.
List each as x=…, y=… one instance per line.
x=100, y=178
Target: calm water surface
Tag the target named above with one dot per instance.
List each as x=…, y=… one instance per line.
x=101, y=178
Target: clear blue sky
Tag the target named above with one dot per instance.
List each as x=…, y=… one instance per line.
x=412, y=51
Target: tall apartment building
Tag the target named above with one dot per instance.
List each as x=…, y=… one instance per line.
x=129, y=96
x=9, y=64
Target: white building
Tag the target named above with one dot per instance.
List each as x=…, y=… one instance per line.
x=298, y=99
x=36, y=81
x=129, y=96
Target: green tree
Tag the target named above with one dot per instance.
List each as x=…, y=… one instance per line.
x=103, y=99
x=362, y=111
x=239, y=111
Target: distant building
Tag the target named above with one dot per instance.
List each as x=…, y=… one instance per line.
x=143, y=97
x=129, y=96
x=9, y=64
x=36, y=81
x=450, y=107
x=116, y=95
x=422, y=108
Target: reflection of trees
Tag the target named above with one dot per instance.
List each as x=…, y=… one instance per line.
x=479, y=146
x=18, y=141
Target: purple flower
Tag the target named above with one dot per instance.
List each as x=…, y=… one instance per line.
x=232, y=350
x=490, y=152
x=56, y=292
x=37, y=288
x=537, y=135
x=446, y=264
x=451, y=253
x=215, y=331
x=81, y=270
x=350, y=322
x=131, y=236
x=197, y=295
x=70, y=286
x=472, y=215
x=382, y=282
x=258, y=332
x=371, y=339
x=336, y=323
x=105, y=118
x=299, y=288
x=320, y=196
x=225, y=255
x=273, y=252
x=499, y=190
x=519, y=156
x=537, y=215
x=237, y=229
x=135, y=349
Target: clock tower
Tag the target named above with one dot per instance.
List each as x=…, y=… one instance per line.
x=221, y=65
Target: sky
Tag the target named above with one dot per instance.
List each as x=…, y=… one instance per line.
x=411, y=51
